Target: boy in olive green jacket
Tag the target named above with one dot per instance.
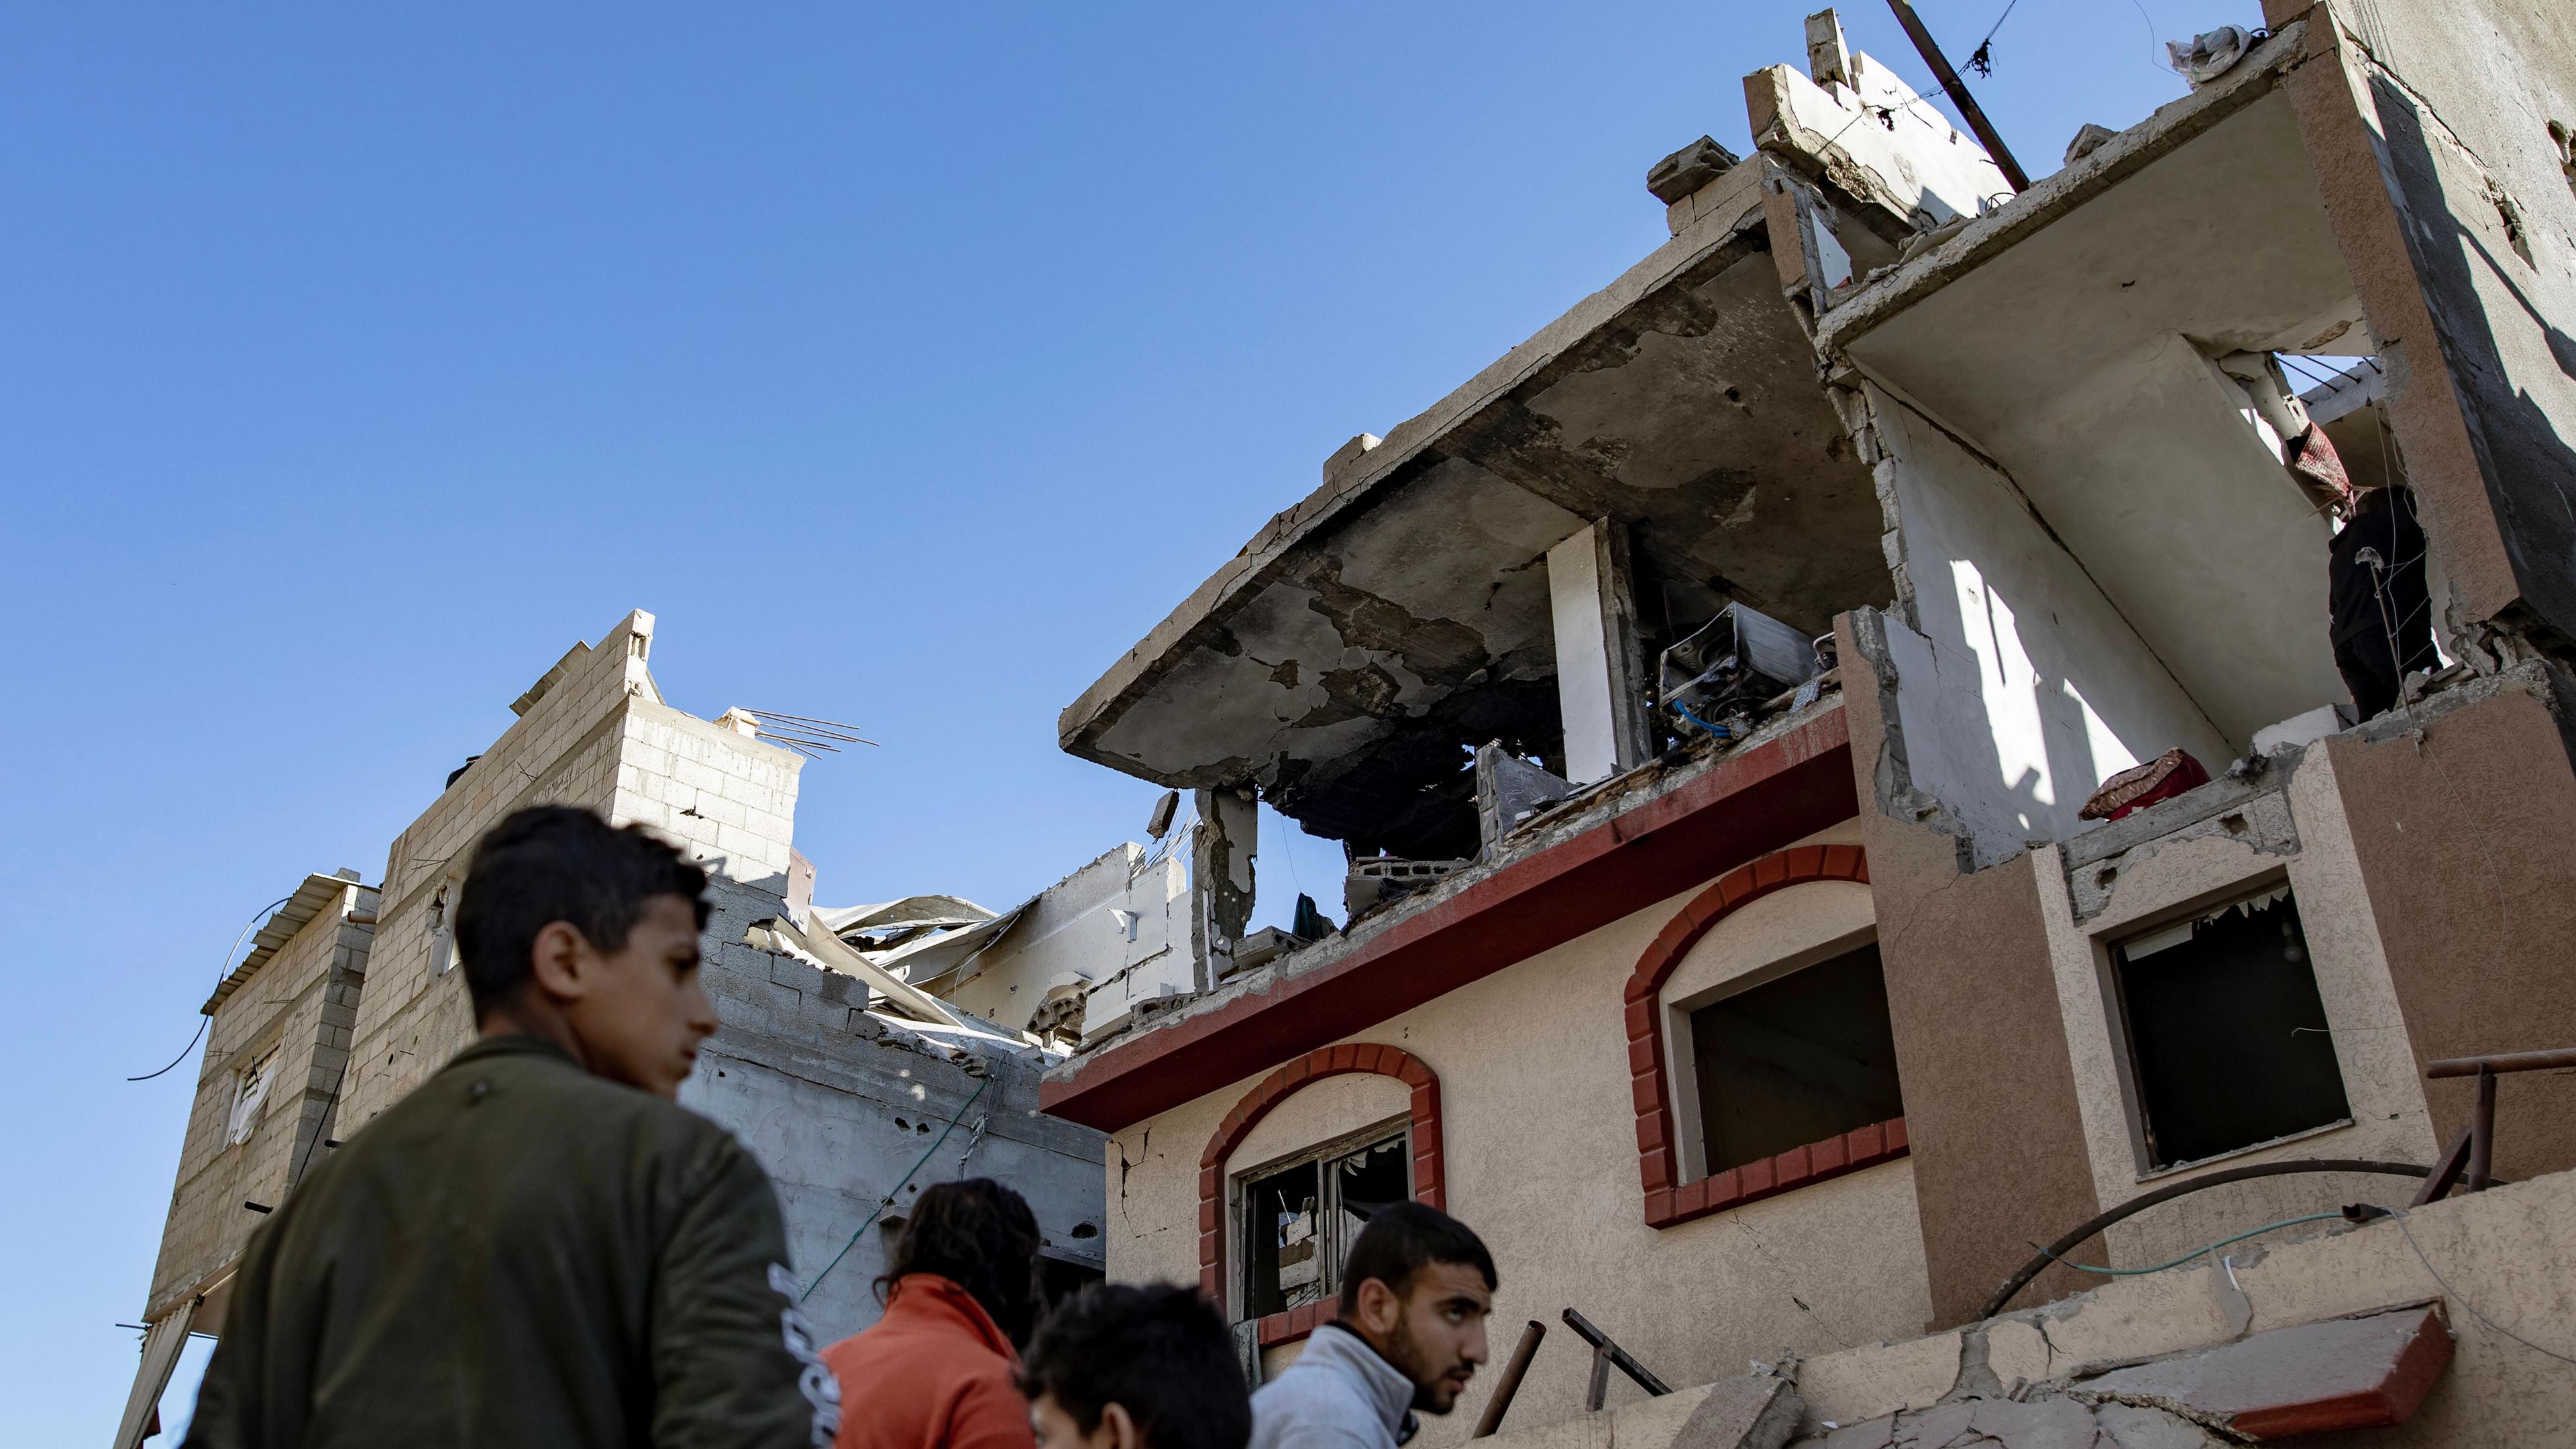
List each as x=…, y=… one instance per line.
x=538, y=1246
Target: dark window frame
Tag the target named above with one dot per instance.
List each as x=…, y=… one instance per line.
x=1682, y=1036
x=1239, y=1182
x=2117, y=968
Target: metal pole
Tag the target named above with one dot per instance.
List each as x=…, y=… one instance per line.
x=2508, y=1062
x=2482, y=1133
x=1600, y=1386
x=2445, y=1173
x=1618, y=1356
x=1510, y=1383
x=1991, y=139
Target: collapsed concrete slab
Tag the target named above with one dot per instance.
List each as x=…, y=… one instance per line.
x=1406, y=612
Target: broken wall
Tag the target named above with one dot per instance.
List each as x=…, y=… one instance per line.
x=847, y=1108
x=1867, y=133
x=2440, y=133
x=2290, y=824
x=597, y=736
x=2194, y=235
x=565, y=748
x=300, y=1003
x=2510, y=1253
x=2467, y=840
x=1114, y=933
x=1999, y=1148
x=1538, y=1126
x=2025, y=688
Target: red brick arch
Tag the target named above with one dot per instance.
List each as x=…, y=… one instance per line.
x=1430, y=1184
x=1669, y=1201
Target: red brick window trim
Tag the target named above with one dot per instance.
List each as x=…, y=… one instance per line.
x=1667, y=1201
x=1430, y=1182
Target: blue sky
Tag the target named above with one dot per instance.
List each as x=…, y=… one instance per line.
x=908, y=363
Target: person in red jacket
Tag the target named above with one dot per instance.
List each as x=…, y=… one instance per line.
x=939, y=1370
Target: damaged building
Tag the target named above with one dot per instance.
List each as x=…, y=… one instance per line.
x=845, y=1060
x=1928, y=717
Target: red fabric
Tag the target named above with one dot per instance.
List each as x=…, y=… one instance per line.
x=2314, y=461
x=934, y=1373
x=2140, y=786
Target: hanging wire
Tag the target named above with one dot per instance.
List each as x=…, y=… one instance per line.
x=220, y=973
x=888, y=1200
x=2196, y=1253
x=2474, y=1311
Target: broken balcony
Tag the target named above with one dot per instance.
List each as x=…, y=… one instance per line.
x=2081, y=408
x=1507, y=568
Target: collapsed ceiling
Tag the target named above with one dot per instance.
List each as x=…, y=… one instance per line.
x=1368, y=638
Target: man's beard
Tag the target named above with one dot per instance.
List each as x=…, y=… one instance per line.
x=1409, y=1359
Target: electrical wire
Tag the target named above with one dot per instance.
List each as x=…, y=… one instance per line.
x=888, y=1200
x=220, y=973
x=2474, y=1311
x=1721, y=731
x=1981, y=60
x=2196, y=1253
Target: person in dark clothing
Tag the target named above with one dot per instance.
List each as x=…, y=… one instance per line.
x=961, y=1292
x=2382, y=627
x=538, y=1246
x=1119, y=1366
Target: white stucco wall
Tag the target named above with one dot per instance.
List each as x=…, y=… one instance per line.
x=2025, y=688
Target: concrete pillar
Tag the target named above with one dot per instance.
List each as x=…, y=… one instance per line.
x=1599, y=688
x=1222, y=847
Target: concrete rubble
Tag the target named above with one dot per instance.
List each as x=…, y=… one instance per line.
x=2033, y=486
x=1706, y=696
x=865, y=1053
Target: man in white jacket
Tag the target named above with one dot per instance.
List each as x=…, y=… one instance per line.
x=1415, y=1295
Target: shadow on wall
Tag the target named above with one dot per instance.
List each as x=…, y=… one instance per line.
x=2045, y=744
x=2530, y=469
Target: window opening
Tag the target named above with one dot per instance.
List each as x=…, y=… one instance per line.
x=1794, y=1061
x=1299, y=1219
x=2228, y=1046
x=442, y=932
x=250, y=1097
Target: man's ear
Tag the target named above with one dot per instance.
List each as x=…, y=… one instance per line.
x=559, y=961
x=1121, y=1426
x=1375, y=1307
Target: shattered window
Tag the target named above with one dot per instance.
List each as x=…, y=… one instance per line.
x=2228, y=1046
x=250, y=1097
x=1300, y=1218
x=1794, y=1061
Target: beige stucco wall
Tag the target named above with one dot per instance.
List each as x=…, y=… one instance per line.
x=2389, y=1118
x=1770, y=938
x=1539, y=1136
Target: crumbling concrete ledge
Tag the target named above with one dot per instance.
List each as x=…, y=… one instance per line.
x=1586, y=810
x=2347, y=1319
x=2124, y=155
x=1756, y=1411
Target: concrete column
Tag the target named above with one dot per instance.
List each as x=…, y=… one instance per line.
x=1599, y=686
x=1222, y=846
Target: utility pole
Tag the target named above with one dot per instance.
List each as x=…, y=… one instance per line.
x=1958, y=89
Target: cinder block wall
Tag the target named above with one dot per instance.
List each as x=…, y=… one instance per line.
x=304, y=1002
x=840, y=1106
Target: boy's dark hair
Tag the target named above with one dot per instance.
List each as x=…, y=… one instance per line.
x=981, y=1236
x=1160, y=1352
x=551, y=863
x=1400, y=1241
